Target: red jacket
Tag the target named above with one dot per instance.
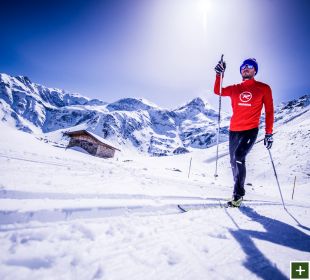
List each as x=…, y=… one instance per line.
x=247, y=99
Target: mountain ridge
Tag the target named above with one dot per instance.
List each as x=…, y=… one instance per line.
x=129, y=121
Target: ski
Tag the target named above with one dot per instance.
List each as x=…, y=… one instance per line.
x=188, y=207
x=223, y=204
x=181, y=208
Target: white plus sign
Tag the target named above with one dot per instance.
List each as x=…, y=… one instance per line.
x=300, y=270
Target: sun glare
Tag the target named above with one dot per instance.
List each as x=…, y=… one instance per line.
x=204, y=7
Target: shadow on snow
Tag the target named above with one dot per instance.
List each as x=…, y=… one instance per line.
x=276, y=232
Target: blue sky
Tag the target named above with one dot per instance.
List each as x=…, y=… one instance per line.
x=161, y=50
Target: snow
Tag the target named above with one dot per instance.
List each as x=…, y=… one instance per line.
x=67, y=215
x=127, y=122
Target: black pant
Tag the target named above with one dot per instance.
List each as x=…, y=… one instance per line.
x=240, y=143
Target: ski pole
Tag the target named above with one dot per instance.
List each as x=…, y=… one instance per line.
x=190, y=166
x=275, y=173
x=294, y=188
x=218, y=122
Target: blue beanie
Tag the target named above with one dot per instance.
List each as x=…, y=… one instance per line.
x=250, y=61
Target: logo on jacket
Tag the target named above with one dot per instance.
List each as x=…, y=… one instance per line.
x=245, y=96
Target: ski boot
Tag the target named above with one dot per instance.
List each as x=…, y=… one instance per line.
x=235, y=202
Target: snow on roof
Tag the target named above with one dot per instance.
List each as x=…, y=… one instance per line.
x=100, y=139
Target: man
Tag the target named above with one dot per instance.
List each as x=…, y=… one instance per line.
x=247, y=99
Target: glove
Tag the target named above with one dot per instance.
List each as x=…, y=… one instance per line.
x=268, y=141
x=220, y=67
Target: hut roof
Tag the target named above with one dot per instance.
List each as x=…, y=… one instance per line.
x=93, y=135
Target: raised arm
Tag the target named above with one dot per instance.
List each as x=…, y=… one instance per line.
x=226, y=91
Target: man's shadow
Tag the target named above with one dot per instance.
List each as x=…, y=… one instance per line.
x=276, y=232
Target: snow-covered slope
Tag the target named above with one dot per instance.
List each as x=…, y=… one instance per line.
x=68, y=215
x=287, y=111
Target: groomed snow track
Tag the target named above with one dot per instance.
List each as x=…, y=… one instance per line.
x=165, y=206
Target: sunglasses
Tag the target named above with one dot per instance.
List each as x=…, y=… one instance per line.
x=249, y=66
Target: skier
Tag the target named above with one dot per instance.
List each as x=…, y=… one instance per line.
x=247, y=99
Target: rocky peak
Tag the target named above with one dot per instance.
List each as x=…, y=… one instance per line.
x=129, y=104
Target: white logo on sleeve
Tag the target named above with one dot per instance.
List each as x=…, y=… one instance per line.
x=245, y=97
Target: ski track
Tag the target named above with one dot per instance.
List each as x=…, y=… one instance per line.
x=86, y=212
x=161, y=245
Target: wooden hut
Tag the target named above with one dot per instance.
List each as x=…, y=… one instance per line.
x=91, y=143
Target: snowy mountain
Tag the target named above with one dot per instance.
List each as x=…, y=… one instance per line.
x=129, y=122
x=287, y=111
x=30, y=106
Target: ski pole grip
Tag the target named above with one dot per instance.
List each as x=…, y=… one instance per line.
x=222, y=57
